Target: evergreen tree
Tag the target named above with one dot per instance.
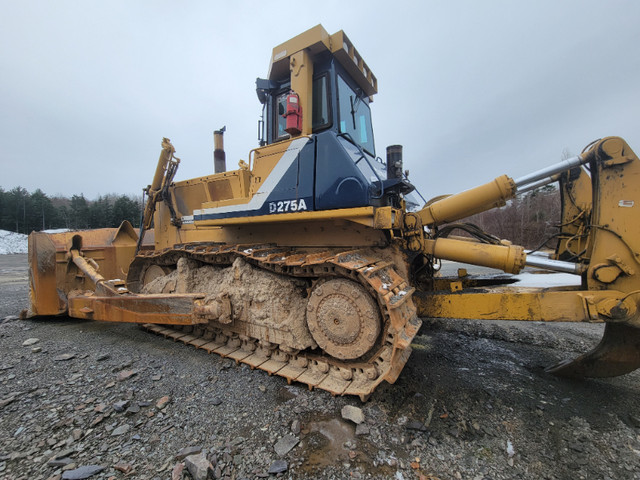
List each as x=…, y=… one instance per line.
x=3, y=202
x=16, y=205
x=24, y=212
x=125, y=209
x=100, y=212
x=42, y=213
x=79, y=212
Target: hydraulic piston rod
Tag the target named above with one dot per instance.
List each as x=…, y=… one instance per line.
x=539, y=183
x=554, y=265
x=550, y=171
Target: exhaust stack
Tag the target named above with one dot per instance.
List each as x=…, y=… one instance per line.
x=219, y=159
x=394, y=161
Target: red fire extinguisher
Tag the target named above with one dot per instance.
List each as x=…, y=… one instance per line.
x=293, y=114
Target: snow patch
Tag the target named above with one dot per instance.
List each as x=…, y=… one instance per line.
x=12, y=242
x=546, y=280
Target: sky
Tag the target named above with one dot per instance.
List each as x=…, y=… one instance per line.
x=471, y=89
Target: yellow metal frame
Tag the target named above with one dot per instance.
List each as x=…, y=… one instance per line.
x=315, y=41
x=379, y=218
x=520, y=303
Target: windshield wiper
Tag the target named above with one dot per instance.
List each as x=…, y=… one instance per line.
x=353, y=111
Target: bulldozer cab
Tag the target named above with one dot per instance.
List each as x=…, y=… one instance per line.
x=335, y=88
x=333, y=82
x=338, y=105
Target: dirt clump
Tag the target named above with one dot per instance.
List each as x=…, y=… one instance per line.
x=258, y=297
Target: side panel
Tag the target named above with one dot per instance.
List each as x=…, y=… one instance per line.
x=286, y=189
x=339, y=182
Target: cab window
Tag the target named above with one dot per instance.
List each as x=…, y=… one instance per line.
x=281, y=122
x=321, y=116
x=354, y=116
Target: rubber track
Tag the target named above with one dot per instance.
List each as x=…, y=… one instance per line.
x=400, y=322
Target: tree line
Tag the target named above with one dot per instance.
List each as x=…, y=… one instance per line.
x=24, y=212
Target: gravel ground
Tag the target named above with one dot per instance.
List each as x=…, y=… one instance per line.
x=473, y=403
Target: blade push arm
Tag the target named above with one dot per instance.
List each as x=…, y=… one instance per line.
x=504, y=256
x=165, y=171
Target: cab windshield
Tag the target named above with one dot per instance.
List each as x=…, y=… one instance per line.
x=355, y=117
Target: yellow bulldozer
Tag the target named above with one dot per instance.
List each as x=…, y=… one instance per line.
x=314, y=261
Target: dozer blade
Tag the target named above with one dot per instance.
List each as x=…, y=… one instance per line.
x=617, y=353
x=52, y=275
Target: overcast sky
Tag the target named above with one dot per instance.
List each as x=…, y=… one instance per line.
x=472, y=89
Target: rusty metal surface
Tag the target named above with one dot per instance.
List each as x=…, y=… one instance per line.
x=52, y=271
x=44, y=296
x=165, y=309
x=343, y=318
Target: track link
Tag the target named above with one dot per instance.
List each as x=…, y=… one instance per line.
x=359, y=377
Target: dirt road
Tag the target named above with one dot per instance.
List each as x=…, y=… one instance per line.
x=473, y=402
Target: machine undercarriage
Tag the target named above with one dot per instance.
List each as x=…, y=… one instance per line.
x=336, y=320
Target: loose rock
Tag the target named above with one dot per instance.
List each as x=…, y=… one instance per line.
x=187, y=451
x=295, y=427
x=198, y=466
x=285, y=444
x=162, y=403
x=65, y=453
x=82, y=472
x=124, y=374
x=278, y=466
x=416, y=425
x=176, y=473
x=121, y=430
x=352, y=413
x=7, y=401
x=59, y=462
x=125, y=468
x=64, y=357
x=30, y=341
x=121, y=405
